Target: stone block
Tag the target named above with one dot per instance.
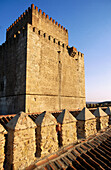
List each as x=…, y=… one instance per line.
x=102, y=119
x=67, y=134
x=86, y=124
x=108, y=112
x=21, y=142
x=46, y=136
x=2, y=146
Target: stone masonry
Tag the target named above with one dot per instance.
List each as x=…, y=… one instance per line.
x=46, y=136
x=86, y=124
x=102, y=119
x=2, y=145
x=21, y=145
x=108, y=112
x=27, y=142
x=68, y=128
x=38, y=70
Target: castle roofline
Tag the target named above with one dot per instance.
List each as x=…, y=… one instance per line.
x=26, y=17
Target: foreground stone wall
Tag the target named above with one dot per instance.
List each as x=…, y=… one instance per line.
x=81, y=129
x=90, y=127
x=46, y=140
x=2, y=146
x=27, y=141
x=46, y=136
x=69, y=133
x=102, y=119
x=86, y=128
x=108, y=112
x=104, y=122
x=110, y=120
x=86, y=123
x=24, y=149
x=21, y=145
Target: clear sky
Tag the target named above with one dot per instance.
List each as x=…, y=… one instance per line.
x=89, y=26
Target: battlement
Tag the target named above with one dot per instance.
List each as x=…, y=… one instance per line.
x=27, y=138
x=71, y=50
x=41, y=20
x=54, y=40
x=25, y=18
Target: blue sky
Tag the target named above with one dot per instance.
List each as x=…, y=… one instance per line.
x=89, y=26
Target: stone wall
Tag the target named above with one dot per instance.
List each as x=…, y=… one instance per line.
x=46, y=136
x=51, y=66
x=27, y=141
x=2, y=146
x=90, y=127
x=13, y=73
x=46, y=140
x=86, y=128
x=38, y=70
x=108, y=112
x=69, y=133
x=81, y=129
x=110, y=120
x=21, y=154
x=21, y=146
x=49, y=26
x=102, y=122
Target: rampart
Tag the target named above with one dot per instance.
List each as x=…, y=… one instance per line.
x=31, y=137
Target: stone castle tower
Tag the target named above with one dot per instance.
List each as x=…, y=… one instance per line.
x=38, y=70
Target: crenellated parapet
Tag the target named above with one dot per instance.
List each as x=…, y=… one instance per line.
x=31, y=137
x=10, y=42
x=25, y=18
x=43, y=15
x=72, y=51
x=35, y=16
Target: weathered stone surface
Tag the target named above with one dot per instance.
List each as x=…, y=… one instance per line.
x=90, y=127
x=37, y=69
x=12, y=74
x=99, y=112
x=108, y=112
x=21, y=142
x=86, y=124
x=68, y=134
x=46, y=135
x=45, y=119
x=2, y=145
x=85, y=114
x=21, y=121
x=2, y=129
x=102, y=119
x=104, y=122
x=66, y=117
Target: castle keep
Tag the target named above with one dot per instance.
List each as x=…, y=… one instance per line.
x=38, y=70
